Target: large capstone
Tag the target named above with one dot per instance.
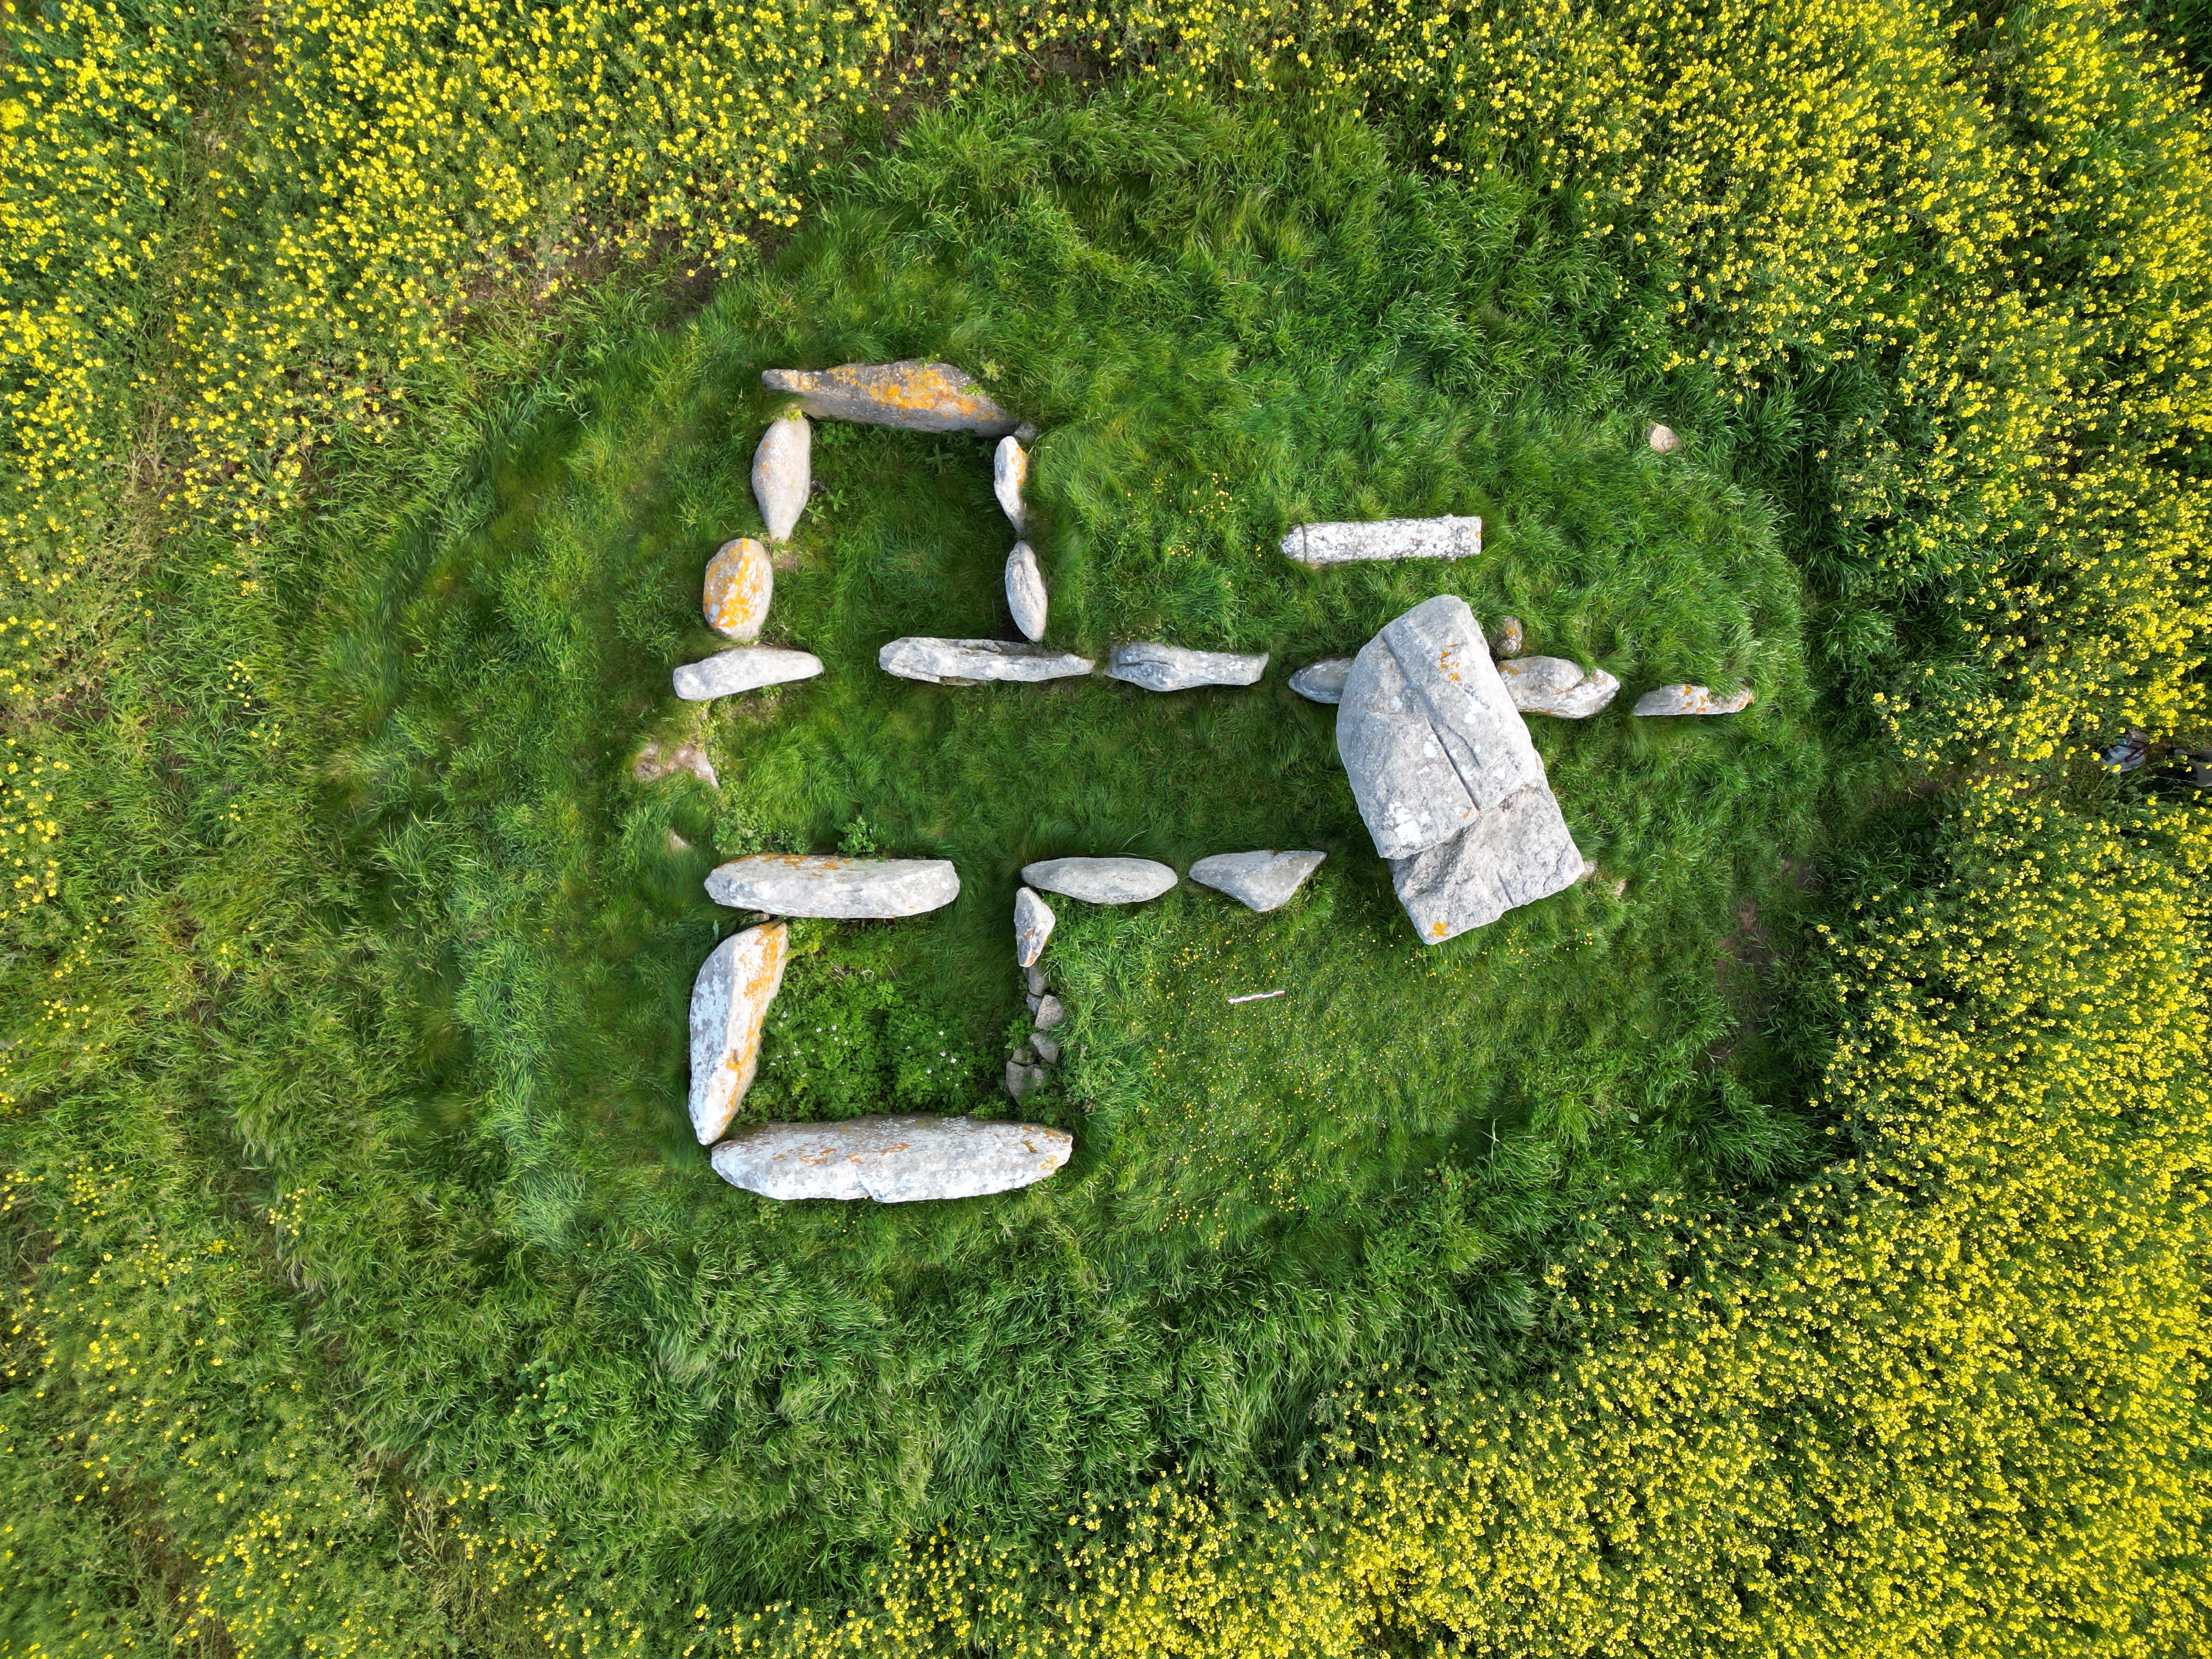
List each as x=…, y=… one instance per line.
x=1101, y=881
x=1009, y=471
x=783, y=473
x=1322, y=682
x=1033, y=924
x=744, y=668
x=1170, y=668
x=1553, y=685
x=824, y=884
x=1667, y=700
x=893, y=1160
x=1386, y=539
x=914, y=396
x=1513, y=853
x=729, y=1004
x=1262, y=881
x=1025, y=592
x=740, y=583
x=971, y=662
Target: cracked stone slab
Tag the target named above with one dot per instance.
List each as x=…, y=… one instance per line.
x=1322, y=682
x=1448, y=538
x=972, y=662
x=1690, y=700
x=1553, y=685
x=730, y=1001
x=1172, y=668
x=743, y=668
x=909, y=394
x=1102, y=881
x=1261, y=881
x=1512, y=853
x=783, y=474
x=655, y=763
x=828, y=885
x=893, y=1160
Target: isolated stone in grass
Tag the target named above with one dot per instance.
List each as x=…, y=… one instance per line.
x=783, y=474
x=1261, y=881
x=1170, y=668
x=1553, y=685
x=1664, y=438
x=1047, y=1012
x=1427, y=732
x=1009, y=471
x=1506, y=639
x=1690, y=700
x=1033, y=922
x=1322, y=682
x=911, y=395
x=1513, y=853
x=729, y=1000
x=740, y=582
x=1025, y=594
x=743, y=668
x=893, y=1160
x=1385, y=538
x=655, y=763
x=842, y=889
x=972, y=662
x=1101, y=881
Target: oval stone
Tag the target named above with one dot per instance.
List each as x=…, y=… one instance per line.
x=828, y=885
x=1262, y=881
x=1101, y=881
x=893, y=1160
x=730, y=1001
x=743, y=668
x=740, y=582
x=1691, y=700
x=1025, y=592
x=783, y=474
x=1009, y=471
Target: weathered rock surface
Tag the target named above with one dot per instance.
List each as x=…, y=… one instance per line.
x=1170, y=668
x=740, y=582
x=1009, y=471
x=825, y=885
x=1033, y=924
x=1025, y=594
x=971, y=662
x=1427, y=732
x=1513, y=853
x=743, y=668
x=1664, y=438
x=729, y=1004
x=654, y=763
x=783, y=474
x=1047, y=1012
x=1553, y=685
x=1261, y=881
x=1385, y=538
x=1048, y=1048
x=1033, y=976
x=893, y=1160
x=1505, y=640
x=1101, y=881
x=914, y=396
x=1024, y=1075
x=1691, y=700
x=1322, y=682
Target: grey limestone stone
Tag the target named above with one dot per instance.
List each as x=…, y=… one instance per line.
x=1025, y=591
x=1048, y=1012
x=969, y=662
x=1322, y=682
x=1507, y=639
x=1690, y=700
x=1170, y=668
x=1513, y=852
x=915, y=396
x=1261, y=881
x=893, y=1160
x=1446, y=537
x=1102, y=881
x=824, y=884
x=1024, y=1075
x=1553, y=685
x=783, y=474
x=1033, y=923
x=1009, y=471
x=729, y=1000
x=743, y=668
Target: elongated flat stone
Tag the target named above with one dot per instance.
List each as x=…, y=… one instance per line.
x=1385, y=538
x=1025, y=592
x=1322, y=682
x=743, y=668
x=1033, y=925
x=1691, y=700
x=740, y=583
x=1101, y=881
x=1261, y=881
x=1553, y=685
x=824, y=884
x=1170, y=668
x=912, y=395
x=1512, y=853
x=729, y=1004
x=893, y=1160
x=1009, y=471
x=783, y=474
x=969, y=662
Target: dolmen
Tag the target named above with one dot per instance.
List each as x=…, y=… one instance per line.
x=729, y=1000
x=1553, y=685
x=1262, y=881
x=1101, y=881
x=1670, y=700
x=893, y=1160
x=743, y=668
x=1445, y=776
x=834, y=887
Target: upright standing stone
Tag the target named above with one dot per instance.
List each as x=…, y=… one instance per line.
x=1025, y=594
x=973, y=662
x=783, y=474
x=1386, y=539
x=1690, y=700
x=1322, y=682
x=1172, y=668
x=1033, y=925
x=1101, y=881
x=1553, y=685
x=823, y=885
x=729, y=1004
x=743, y=668
x=911, y=395
x=893, y=1160
x=740, y=582
x=1261, y=881
x=1009, y=471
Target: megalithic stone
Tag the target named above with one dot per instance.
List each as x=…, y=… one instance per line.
x=825, y=885
x=1553, y=685
x=1009, y=471
x=912, y=395
x=893, y=1160
x=783, y=474
x=730, y=1001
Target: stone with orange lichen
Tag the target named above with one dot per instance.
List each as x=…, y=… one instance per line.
x=740, y=582
x=729, y=1000
x=830, y=886
x=893, y=1160
x=1667, y=700
x=914, y=396
x=1025, y=592
x=783, y=474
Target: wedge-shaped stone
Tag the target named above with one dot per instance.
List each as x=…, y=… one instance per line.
x=783, y=474
x=1553, y=685
x=729, y=1004
x=1170, y=668
x=1009, y=471
x=1033, y=925
x=972, y=662
x=1322, y=682
x=740, y=583
x=1101, y=881
x=1261, y=881
x=1691, y=700
x=824, y=884
x=893, y=1160
x=1513, y=853
x=915, y=396
x=744, y=668
x=1426, y=730
x=1025, y=592
x=1386, y=539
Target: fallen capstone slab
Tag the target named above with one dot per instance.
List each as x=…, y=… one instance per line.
x=1261, y=881
x=1512, y=853
x=1170, y=668
x=1553, y=685
x=1009, y=471
x=740, y=584
x=893, y=1160
x=1033, y=925
x=1690, y=700
x=729, y=1004
x=1025, y=592
x=841, y=889
x=1101, y=881
x=1322, y=682
x=783, y=474
x=744, y=668
x=911, y=395
x=972, y=662
x=1426, y=730
x=1320, y=545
